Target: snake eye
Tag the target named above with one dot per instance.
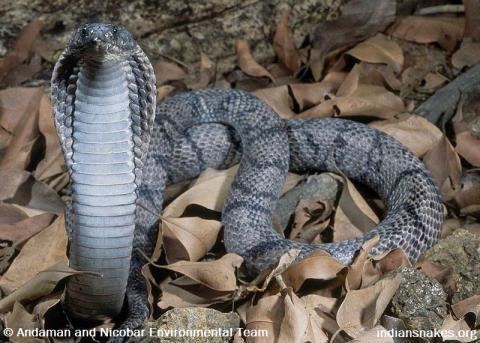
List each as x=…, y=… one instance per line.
x=115, y=30
x=84, y=31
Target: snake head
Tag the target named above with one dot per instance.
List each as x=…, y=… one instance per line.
x=101, y=41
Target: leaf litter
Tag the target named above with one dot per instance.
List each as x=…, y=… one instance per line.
x=372, y=73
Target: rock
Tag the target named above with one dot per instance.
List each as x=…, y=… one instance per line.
x=420, y=301
x=461, y=252
x=321, y=187
x=177, y=29
x=178, y=322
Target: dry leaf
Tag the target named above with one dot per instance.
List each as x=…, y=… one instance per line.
x=166, y=71
x=247, y=63
x=444, y=164
x=468, y=146
x=206, y=73
x=446, y=31
x=377, y=334
x=366, y=100
x=379, y=49
x=39, y=285
x=19, y=318
x=468, y=305
x=353, y=279
x=185, y=292
x=24, y=229
x=43, y=250
x=25, y=132
x=353, y=215
x=467, y=55
x=278, y=98
x=188, y=238
x=415, y=132
x=294, y=324
x=10, y=214
x=457, y=330
x=284, y=46
x=53, y=163
x=210, y=193
x=267, y=315
x=361, y=309
x=12, y=65
x=360, y=19
x=319, y=266
x=218, y=275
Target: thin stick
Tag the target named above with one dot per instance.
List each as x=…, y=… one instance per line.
x=441, y=9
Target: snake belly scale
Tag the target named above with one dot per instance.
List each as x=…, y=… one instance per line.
x=122, y=150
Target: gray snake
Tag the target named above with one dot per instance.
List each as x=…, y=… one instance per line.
x=121, y=150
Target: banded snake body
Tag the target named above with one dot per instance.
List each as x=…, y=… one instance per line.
x=121, y=150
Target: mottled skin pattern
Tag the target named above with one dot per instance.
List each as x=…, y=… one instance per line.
x=214, y=128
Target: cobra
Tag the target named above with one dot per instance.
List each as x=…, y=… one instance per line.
x=121, y=150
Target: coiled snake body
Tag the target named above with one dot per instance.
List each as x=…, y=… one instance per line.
x=120, y=159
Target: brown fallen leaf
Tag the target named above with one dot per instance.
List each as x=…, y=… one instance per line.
x=445, y=166
x=10, y=214
x=278, y=98
x=360, y=19
x=377, y=266
x=206, y=74
x=166, y=71
x=40, y=284
x=294, y=325
x=467, y=55
x=51, y=242
x=188, y=238
x=319, y=266
x=284, y=46
x=353, y=279
x=457, y=330
x=446, y=31
x=13, y=62
x=21, y=231
x=361, y=309
x=353, y=215
x=209, y=193
x=21, y=319
x=468, y=305
x=53, y=165
x=370, y=100
x=415, y=132
x=310, y=94
x=218, y=275
x=21, y=188
x=185, y=292
x=468, y=146
x=433, y=81
x=266, y=314
x=247, y=63
x=25, y=133
x=472, y=19
x=310, y=219
x=379, y=49
x=377, y=334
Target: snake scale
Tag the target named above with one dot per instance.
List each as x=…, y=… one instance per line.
x=121, y=150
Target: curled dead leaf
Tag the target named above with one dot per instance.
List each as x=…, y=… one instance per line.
x=188, y=238
x=361, y=309
x=247, y=63
x=415, y=132
x=51, y=242
x=218, y=275
x=379, y=49
x=284, y=46
x=446, y=31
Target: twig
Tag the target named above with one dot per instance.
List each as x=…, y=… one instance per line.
x=440, y=9
x=441, y=106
